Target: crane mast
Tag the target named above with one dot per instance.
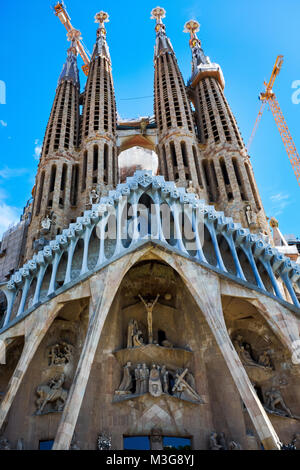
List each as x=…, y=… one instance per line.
x=268, y=96
x=73, y=34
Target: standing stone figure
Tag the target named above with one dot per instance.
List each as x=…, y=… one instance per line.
x=213, y=444
x=155, y=387
x=137, y=375
x=132, y=330
x=144, y=379
x=222, y=441
x=126, y=383
x=165, y=379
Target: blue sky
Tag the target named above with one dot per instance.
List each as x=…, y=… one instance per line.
x=244, y=37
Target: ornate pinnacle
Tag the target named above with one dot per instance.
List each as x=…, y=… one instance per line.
x=158, y=13
x=74, y=35
x=102, y=17
x=192, y=27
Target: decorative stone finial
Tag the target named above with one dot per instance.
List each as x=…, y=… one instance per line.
x=74, y=36
x=102, y=17
x=192, y=27
x=157, y=14
x=273, y=222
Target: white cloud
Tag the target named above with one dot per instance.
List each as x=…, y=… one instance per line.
x=3, y=123
x=9, y=215
x=37, y=149
x=279, y=202
x=7, y=173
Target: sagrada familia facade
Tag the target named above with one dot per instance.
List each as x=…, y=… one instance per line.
x=117, y=327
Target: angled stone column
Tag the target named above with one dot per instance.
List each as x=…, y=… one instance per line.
x=205, y=289
x=33, y=336
x=104, y=286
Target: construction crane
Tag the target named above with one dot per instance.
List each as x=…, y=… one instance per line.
x=268, y=96
x=73, y=34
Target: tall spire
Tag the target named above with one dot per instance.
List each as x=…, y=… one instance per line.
x=177, y=142
x=70, y=69
x=101, y=48
x=227, y=171
x=200, y=62
x=198, y=56
x=163, y=43
x=99, y=118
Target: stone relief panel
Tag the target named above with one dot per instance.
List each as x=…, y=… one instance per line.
x=156, y=380
x=51, y=396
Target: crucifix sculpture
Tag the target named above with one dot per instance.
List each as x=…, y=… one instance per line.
x=149, y=308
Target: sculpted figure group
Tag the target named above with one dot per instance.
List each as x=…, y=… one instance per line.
x=218, y=442
x=136, y=339
x=139, y=379
x=244, y=350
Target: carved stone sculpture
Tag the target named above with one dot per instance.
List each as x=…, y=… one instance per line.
x=149, y=308
x=245, y=353
x=250, y=215
x=155, y=387
x=137, y=375
x=234, y=446
x=138, y=339
x=274, y=399
x=144, y=379
x=191, y=190
x=20, y=444
x=222, y=441
x=104, y=442
x=126, y=384
x=46, y=224
x=265, y=360
x=182, y=389
x=165, y=379
x=213, y=444
x=132, y=330
x=138, y=380
x=94, y=196
x=4, y=444
x=52, y=393
x=60, y=354
x=156, y=439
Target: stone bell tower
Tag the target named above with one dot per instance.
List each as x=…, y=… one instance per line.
x=179, y=155
x=99, y=169
x=55, y=184
x=226, y=166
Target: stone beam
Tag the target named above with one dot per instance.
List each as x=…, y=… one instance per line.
x=205, y=289
x=104, y=286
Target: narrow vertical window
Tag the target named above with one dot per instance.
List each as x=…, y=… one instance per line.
x=84, y=171
x=40, y=194
x=105, y=164
x=197, y=165
x=74, y=185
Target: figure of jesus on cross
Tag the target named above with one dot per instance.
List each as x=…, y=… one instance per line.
x=149, y=308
